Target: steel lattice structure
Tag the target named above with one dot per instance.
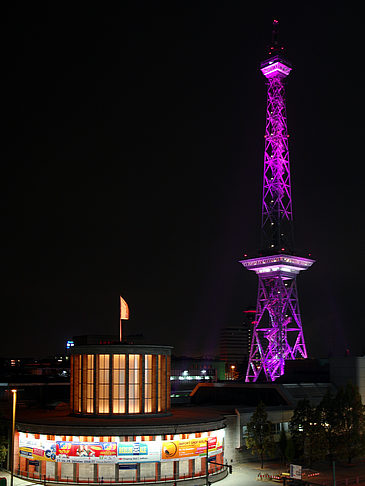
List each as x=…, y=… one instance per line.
x=277, y=214
x=277, y=334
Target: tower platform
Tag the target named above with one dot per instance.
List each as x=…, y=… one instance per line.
x=285, y=266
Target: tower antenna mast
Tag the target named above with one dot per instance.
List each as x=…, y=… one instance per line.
x=277, y=333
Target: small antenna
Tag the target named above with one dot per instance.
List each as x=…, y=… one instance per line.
x=275, y=32
x=275, y=47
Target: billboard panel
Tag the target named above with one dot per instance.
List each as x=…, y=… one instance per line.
x=139, y=451
x=36, y=449
x=42, y=449
x=83, y=452
x=173, y=450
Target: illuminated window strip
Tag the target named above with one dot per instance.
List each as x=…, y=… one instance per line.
x=104, y=384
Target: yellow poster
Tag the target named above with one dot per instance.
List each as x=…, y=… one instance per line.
x=189, y=448
x=44, y=452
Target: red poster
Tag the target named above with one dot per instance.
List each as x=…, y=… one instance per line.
x=86, y=451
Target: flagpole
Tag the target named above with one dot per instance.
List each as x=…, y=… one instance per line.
x=124, y=314
x=120, y=319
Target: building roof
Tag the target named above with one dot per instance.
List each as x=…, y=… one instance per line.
x=60, y=422
x=238, y=394
x=313, y=392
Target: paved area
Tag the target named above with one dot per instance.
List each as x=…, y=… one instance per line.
x=17, y=481
x=246, y=474
x=242, y=474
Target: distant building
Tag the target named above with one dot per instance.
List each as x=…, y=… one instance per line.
x=235, y=340
x=248, y=320
x=349, y=369
x=233, y=344
x=187, y=372
x=238, y=401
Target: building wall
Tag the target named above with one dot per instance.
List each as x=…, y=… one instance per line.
x=33, y=458
x=233, y=344
x=232, y=440
x=349, y=369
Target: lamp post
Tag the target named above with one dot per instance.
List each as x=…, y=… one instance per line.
x=334, y=472
x=233, y=367
x=14, y=391
x=207, y=464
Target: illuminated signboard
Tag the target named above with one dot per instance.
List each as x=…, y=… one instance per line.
x=139, y=451
x=92, y=452
x=117, y=452
x=174, y=450
x=108, y=452
x=36, y=449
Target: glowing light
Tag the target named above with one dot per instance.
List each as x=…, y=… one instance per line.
x=278, y=262
x=274, y=69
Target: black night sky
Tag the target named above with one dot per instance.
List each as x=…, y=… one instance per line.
x=132, y=157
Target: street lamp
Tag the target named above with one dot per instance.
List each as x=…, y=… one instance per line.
x=207, y=464
x=232, y=371
x=14, y=391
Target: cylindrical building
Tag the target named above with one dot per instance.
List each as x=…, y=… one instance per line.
x=120, y=427
x=120, y=379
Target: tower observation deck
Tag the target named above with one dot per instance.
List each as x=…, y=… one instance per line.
x=277, y=333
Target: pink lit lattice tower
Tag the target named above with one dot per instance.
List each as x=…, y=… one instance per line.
x=277, y=334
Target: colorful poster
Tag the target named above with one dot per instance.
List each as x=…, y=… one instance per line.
x=83, y=452
x=139, y=451
x=36, y=449
x=189, y=448
x=42, y=449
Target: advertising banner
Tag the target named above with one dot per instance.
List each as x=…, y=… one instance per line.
x=190, y=448
x=83, y=452
x=139, y=451
x=42, y=449
x=36, y=449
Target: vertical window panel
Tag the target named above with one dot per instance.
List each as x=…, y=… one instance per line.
x=89, y=384
x=159, y=372
x=154, y=382
x=77, y=383
x=168, y=383
x=148, y=384
x=135, y=385
x=118, y=380
x=72, y=382
x=103, y=372
x=161, y=383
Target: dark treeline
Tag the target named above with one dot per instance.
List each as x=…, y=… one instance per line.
x=333, y=430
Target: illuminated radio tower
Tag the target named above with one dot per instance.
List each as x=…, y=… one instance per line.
x=277, y=334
